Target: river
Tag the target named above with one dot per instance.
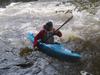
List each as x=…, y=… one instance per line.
x=82, y=33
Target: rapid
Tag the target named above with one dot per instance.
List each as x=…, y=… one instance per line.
x=82, y=34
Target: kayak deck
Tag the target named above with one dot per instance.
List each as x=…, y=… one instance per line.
x=58, y=50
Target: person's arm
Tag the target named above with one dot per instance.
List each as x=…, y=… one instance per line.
x=37, y=37
x=35, y=40
x=58, y=33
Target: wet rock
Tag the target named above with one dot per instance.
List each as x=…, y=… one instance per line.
x=85, y=73
x=25, y=51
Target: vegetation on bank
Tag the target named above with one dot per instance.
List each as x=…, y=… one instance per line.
x=89, y=5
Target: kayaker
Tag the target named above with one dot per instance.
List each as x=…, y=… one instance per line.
x=46, y=32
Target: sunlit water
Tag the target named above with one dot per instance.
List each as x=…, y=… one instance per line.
x=17, y=19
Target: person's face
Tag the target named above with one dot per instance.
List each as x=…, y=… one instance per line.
x=50, y=28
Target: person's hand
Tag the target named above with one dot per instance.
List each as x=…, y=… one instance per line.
x=35, y=48
x=62, y=40
x=55, y=33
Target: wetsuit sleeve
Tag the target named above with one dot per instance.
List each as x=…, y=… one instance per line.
x=58, y=33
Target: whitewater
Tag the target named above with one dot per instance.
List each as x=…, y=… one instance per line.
x=17, y=19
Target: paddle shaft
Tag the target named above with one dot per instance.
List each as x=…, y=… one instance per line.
x=60, y=27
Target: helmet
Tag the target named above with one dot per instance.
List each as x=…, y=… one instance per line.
x=48, y=25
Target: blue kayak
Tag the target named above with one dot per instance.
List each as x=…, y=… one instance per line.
x=56, y=50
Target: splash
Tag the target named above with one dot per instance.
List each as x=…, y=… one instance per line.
x=69, y=35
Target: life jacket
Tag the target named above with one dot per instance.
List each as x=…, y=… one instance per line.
x=43, y=35
x=46, y=36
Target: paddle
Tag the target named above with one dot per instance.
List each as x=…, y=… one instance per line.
x=60, y=27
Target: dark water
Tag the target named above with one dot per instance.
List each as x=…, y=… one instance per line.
x=3, y=3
